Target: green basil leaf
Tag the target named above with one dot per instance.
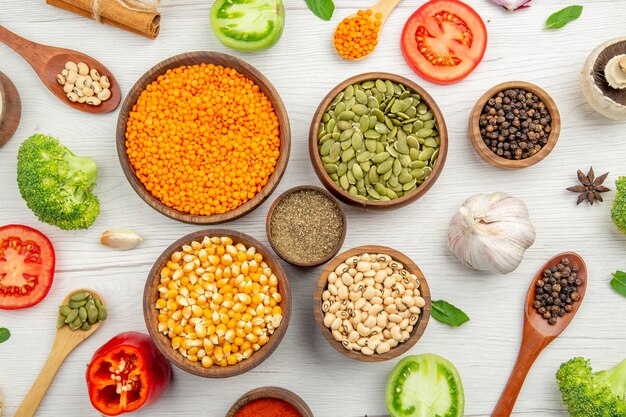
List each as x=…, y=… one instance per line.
x=321, y=8
x=619, y=282
x=563, y=17
x=4, y=334
x=446, y=313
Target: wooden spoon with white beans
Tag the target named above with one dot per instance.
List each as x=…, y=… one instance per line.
x=49, y=61
x=66, y=340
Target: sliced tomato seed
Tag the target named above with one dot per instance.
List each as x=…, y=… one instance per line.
x=450, y=59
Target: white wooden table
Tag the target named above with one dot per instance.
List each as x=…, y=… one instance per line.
x=303, y=67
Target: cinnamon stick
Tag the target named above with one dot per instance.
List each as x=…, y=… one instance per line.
x=122, y=14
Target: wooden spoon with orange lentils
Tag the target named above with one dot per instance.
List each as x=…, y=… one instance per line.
x=203, y=139
x=357, y=35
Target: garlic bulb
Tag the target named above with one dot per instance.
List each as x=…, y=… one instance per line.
x=512, y=5
x=491, y=232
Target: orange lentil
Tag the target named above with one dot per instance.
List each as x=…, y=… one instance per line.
x=357, y=36
x=203, y=139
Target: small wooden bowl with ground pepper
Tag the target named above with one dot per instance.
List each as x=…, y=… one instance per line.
x=228, y=160
x=278, y=401
x=306, y=226
x=217, y=289
x=421, y=174
x=513, y=125
x=323, y=307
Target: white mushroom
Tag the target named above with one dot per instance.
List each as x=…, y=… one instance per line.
x=603, y=79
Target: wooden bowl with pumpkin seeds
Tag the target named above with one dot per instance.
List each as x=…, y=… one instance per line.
x=378, y=140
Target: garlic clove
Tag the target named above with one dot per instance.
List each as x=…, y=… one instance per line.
x=120, y=239
x=512, y=5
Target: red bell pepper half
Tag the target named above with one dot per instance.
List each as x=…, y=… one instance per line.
x=127, y=373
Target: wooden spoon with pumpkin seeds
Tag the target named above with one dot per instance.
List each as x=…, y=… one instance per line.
x=66, y=340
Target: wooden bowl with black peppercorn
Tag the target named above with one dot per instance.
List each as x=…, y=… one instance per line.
x=389, y=115
x=306, y=226
x=296, y=403
x=493, y=115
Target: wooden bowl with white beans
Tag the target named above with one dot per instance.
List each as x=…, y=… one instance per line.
x=372, y=303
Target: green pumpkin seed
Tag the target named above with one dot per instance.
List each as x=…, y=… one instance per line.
x=334, y=177
x=380, y=86
x=393, y=133
x=370, y=144
x=390, y=105
x=330, y=168
x=393, y=181
x=397, y=106
x=431, y=143
x=401, y=147
x=380, y=157
x=386, y=176
x=328, y=160
x=409, y=185
x=325, y=148
x=345, y=144
x=336, y=135
x=364, y=156
x=381, y=128
x=405, y=160
x=380, y=147
x=417, y=125
x=372, y=134
x=372, y=176
x=424, y=133
x=64, y=310
x=426, y=154
x=338, y=98
x=343, y=182
x=417, y=164
x=330, y=126
x=71, y=316
x=412, y=142
x=346, y=134
x=364, y=123
x=92, y=314
x=60, y=321
x=361, y=97
x=414, y=153
x=404, y=178
x=348, y=154
x=366, y=85
x=422, y=108
x=426, y=116
x=380, y=189
x=357, y=171
x=417, y=173
x=82, y=313
x=365, y=166
x=357, y=141
x=429, y=124
x=373, y=104
x=346, y=115
x=433, y=158
x=373, y=193
x=411, y=112
x=344, y=125
x=85, y=326
x=350, y=176
x=351, y=162
x=325, y=117
x=396, y=167
x=340, y=108
x=360, y=109
x=79, y=296
x=77, y=304
x=348, y=92
x=384, y=167
x=335, y=150
x=391, y=150
x=391, y=194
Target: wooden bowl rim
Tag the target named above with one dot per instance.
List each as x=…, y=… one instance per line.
x=296, y=189
x=271, y=392
x=11, y=112
x=344, y=195
x=217, y=58
x=162, y=342
x=408, y=264
x=486, y=154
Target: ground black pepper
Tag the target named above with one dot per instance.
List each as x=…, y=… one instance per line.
x=306, y=226
x=557, y=290
x=515, y=124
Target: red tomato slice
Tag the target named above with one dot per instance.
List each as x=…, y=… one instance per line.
x=444, y=40
x=26, y=266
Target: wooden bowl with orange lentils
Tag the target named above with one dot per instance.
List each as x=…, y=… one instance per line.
x=217, y=303
x=203, y=137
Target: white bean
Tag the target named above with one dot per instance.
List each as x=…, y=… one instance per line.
x=383, y=347
x=83, y=69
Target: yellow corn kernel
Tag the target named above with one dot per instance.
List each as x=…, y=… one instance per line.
x=162, y=318
x=193, y=350
x=218, y=353
x=256, y=347
x=240, y=332
x=277, y=310
x=232, y=359
x=263, y=339
x=176, y=342
x=247, y=353
x=238, y=341
x=221, y=330
x=200, y=330
x=230, y=335
x=207, y=362
x=257, y=298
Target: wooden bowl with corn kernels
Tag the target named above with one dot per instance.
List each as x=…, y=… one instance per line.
x=214, y=306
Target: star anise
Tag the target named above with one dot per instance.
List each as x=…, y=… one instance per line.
x=590, y=187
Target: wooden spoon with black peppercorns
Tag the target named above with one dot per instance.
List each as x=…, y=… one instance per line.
x=538, y=331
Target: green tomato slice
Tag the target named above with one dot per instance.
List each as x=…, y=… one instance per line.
x=425, y=386
x=248, y=25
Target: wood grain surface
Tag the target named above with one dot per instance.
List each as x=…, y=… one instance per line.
x=304, y=67
x=11, y=110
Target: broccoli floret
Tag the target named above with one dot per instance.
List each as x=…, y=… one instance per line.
x=618, y=212
x=589, y=394
x=56, y=184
